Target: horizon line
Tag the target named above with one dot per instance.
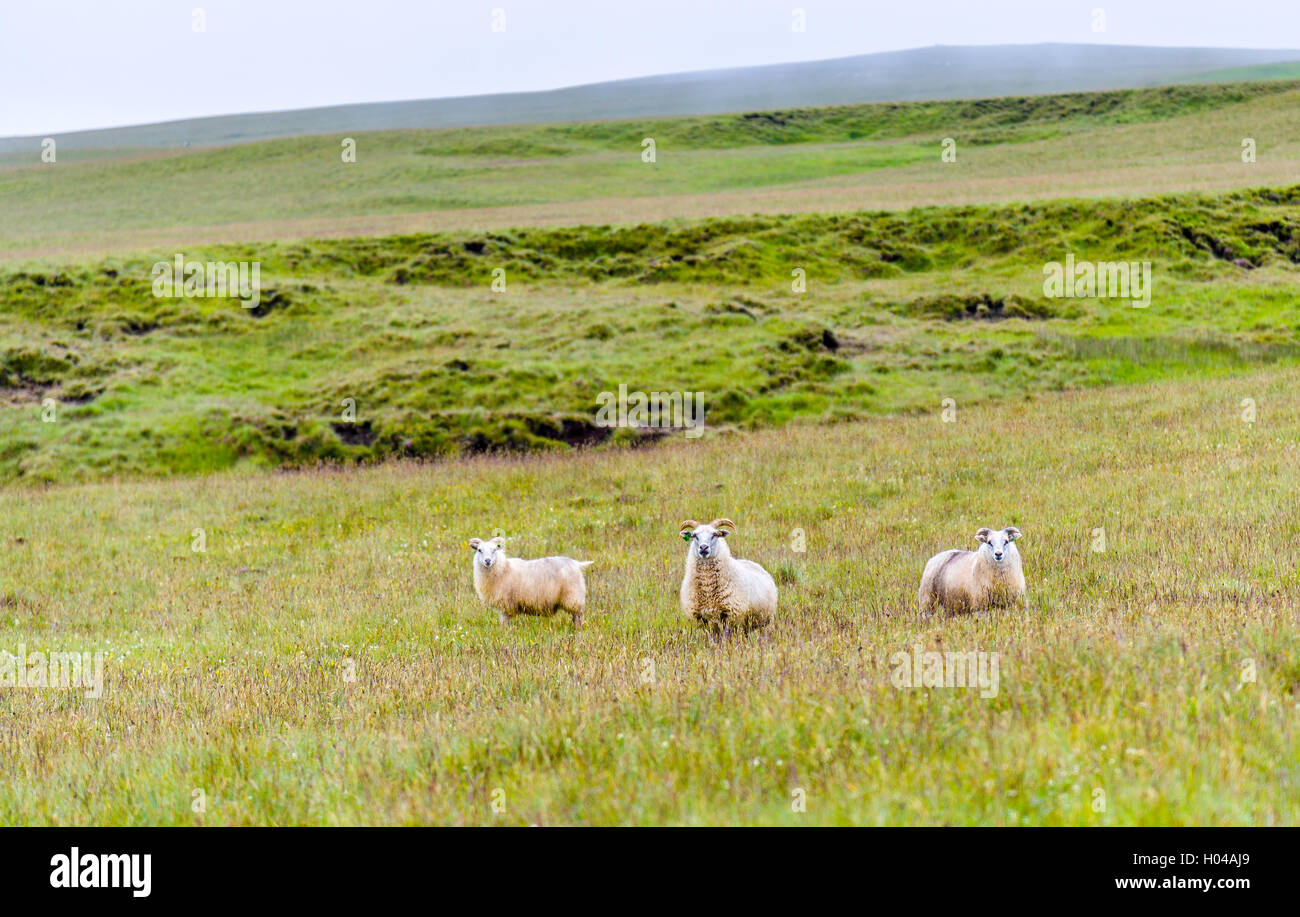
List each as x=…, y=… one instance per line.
x=623, y=79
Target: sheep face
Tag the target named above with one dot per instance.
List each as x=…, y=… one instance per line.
x=718, y=590
x=709, y=541
x=487, y=551
x=997, y=544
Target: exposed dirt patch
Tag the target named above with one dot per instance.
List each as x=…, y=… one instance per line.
x=570, y=430
x=355, y=434
x=269, y=301
x=955, y=307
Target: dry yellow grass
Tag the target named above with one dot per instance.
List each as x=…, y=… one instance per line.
x=891, y=189
x=229, y=677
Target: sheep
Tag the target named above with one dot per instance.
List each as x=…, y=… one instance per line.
x=718, y=590
x=963, y=581
x=515, y=586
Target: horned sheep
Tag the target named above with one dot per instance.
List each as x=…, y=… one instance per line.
x=720, y=591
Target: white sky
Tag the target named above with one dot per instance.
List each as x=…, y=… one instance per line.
x=78, y=64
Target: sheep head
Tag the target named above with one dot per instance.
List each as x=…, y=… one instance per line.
x=487, y=551
x=708, y=541
x=996, y=544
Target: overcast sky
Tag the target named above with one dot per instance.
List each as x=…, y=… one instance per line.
x=77, y=64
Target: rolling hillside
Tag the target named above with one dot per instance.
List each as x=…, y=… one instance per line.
x=798, y=160
x=900, y=311
x=693, y=257
x=939, y=72
x=253, y=517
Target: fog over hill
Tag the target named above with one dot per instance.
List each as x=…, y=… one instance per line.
x=939, y=72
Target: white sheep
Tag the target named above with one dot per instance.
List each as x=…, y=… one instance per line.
x=720, y=591
x=515, y=586
x=961, y=581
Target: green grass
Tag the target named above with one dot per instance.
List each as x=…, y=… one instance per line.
x=981, y=120
x=135, y=430
x=1289, y=70
x=900, y=311
x=86, y=198
x=227, y=671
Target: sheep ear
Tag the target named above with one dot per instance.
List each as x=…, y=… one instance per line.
x=1012, y=532
x=500, y=542
x=724, y=523
x=474, y=543
x=983, y=535
x=687, y=528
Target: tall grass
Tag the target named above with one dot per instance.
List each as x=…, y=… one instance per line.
x=325, y=661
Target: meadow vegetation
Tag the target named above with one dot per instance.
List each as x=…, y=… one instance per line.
x=1128, y=672
x=282, y=589
x=900, y=311
x=802, y=160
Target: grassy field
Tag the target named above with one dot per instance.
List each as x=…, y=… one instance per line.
x=808, y=160
x=900, y=311
x=282, y=592
x=228, y=672
x=1288, y=70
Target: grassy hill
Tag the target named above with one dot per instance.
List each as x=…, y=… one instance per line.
x=1288, y=70
x=939, y=72
x=901, y=311
x=282, y=593
x=324, y=659
x=854, y=157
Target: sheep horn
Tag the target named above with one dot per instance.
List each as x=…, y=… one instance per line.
x=689, y=524
x=723, y=523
